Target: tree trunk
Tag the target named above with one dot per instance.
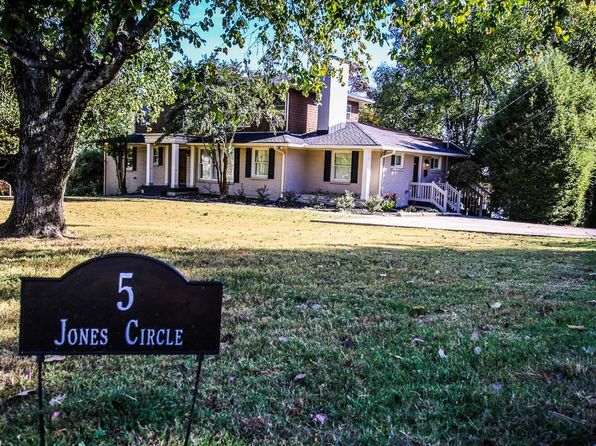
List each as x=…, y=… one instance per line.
x=47, y=157
x=47, y=136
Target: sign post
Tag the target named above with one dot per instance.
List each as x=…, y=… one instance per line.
x=125, y=304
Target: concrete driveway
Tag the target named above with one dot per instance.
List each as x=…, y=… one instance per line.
x=471, y=224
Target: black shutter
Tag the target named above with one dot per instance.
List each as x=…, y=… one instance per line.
x=327, y=168
x=236, y=165
x=134, y=158
x=271, y=174
x=354, y=174
x=248, y=169
x=160, y=156
x=393, y=160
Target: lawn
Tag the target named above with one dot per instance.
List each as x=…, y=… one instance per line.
x=390, y=329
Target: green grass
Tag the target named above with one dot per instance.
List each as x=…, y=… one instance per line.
x=380, y=287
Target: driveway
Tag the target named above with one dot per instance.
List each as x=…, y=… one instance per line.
x=471, y=224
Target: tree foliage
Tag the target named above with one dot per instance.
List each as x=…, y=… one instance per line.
x=215, y=100
x=9, y=109
x=541, y=154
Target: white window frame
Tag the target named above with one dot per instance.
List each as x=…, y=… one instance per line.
x=333, y=178
x=254, y=164
x=349, y=111
x=156, y=155
x=438, y=158
x=401, y=161
x=212, y=171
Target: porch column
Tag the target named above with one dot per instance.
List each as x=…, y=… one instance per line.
x=175, y=165
x=149, y=164
x=192, y=166
x=366, y=171
x=166, y=165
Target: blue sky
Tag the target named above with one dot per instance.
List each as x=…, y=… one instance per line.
x=212, y=37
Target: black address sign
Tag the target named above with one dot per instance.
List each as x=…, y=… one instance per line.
x=120, y=304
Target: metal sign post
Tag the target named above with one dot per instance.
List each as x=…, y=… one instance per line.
x=119, y=304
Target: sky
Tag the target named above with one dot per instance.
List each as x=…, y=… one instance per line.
x=378, y=53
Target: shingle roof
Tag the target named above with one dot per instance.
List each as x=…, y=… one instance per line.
x=350, y=135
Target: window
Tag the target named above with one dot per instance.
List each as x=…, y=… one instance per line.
x=341, y=167
x=131, y=158
x=261, y=167
x=434, y=163
x=208, y=171
x=158, y=156
x=397, y=161
x=348, y=111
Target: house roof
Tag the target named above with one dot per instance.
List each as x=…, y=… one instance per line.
x=351, y=135
x=355, y=97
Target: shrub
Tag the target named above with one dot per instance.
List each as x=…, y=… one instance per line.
x=391, y=196
x=5, y=188
x=387, y=205
x=315, y=201
x=345, y=202
x=291, y=198
x=241, y=194
x=465, y=174
x=87, y=176
x=373, y=204
x=263, y=194
x=411, y=208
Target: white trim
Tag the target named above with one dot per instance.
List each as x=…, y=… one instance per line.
x=282, y=187
x=382, y=168
x=149, y=165
x=332, y=178
x=366, y=174
x=254, y=164
x=174, y=168
x=399, y=166
x=192, y=179
x=166, y=165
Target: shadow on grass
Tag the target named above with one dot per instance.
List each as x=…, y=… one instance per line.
x=290, y=312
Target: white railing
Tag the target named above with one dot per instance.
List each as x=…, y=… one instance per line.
x=453, y=196
x=429, y=193
x=442, y=195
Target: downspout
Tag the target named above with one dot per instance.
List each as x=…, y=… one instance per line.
x=283, y=171
x=380, y=188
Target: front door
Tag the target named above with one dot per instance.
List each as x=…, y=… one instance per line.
x=182, y=167
x=416, y=167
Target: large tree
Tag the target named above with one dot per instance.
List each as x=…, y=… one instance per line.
x=448, y=78
x=216, y=100
x=541, y=154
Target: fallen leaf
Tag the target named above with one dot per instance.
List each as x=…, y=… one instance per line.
x=348, y=343
x=496, y=387
x=477, y=350
x=442, y=353
x=58, y=399
x=54, y=358
x=22, y=394
x=231, y=378
x=398, y=357
x=475, y=336
x=418, y=341
x=56, y=415
x=319, y=418
x=282, y=338
x=576, y=327
x=299, y=377
x=496, y=305
x=315, y=307
x=383, y=275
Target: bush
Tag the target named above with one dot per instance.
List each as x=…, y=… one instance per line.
x=387, y=205
x=86, y=178
x=345, y=202
x=391, y=196
x=290, y=198
x=263, y=194
x=373, y=204
x=241, y=194
x=315, y=201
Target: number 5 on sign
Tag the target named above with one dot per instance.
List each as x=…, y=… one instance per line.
x=128, y=290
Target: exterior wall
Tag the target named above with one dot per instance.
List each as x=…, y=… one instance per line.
x=302, y=112
x=433, y=174
x=250, y=185
x=305, y=170
x=355, y=112
x=397, y=179
x=134, y=178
